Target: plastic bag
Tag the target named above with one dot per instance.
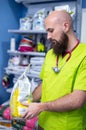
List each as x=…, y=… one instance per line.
x=21, y=93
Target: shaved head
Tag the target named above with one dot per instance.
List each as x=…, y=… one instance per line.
x=58, y=17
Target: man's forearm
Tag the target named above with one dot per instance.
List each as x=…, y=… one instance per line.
x=69, y=102
x=37, y=93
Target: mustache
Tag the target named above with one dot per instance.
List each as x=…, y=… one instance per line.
x=52, y=41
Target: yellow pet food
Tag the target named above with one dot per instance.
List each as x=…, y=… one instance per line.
x=21, y=93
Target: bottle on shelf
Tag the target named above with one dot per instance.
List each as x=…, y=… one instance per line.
x=12, y=44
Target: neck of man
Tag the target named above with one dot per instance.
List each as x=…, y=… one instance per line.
x=73, y=41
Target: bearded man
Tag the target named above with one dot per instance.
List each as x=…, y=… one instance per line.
x=62, y=93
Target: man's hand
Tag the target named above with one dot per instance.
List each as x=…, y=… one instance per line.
x=33, y=110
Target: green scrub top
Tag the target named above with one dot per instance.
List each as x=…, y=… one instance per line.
x=55, y=85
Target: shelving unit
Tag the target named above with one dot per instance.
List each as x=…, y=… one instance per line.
x=32, y=7
x=36, y=1
x=28, y=2
x=26, y=53
x=18, y=72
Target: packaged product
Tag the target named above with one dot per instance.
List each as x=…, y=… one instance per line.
x=20, y=94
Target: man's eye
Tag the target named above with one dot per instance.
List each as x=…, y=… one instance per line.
x=51, y=30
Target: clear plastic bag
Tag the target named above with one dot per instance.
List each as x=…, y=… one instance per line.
x=21, y=93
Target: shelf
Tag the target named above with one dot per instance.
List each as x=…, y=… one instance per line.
x=17, y=71
x=27, y=2
x=17, y=31
x=35, y=1
x=27, y=53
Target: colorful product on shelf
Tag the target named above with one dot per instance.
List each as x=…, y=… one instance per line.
x=26, y=45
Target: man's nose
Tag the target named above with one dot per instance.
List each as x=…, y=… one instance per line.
x=49, y=36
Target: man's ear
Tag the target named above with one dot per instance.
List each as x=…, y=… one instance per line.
x=66, y=27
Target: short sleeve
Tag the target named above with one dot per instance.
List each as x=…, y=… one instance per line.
x=80, y=80
x=43, y=67
x=42, y=72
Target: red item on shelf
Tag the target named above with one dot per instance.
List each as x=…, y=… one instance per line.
x=25, y=48
x=26, y=45
x=28, y=41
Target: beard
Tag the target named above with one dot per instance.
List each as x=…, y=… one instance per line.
x=60, y=46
